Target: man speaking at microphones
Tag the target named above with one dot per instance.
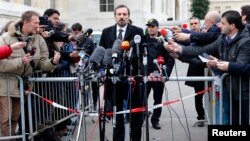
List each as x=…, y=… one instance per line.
x=157, y=57
x=125, y=32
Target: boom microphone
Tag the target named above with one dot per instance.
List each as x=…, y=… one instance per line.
x=97, y=56
x=107, y=60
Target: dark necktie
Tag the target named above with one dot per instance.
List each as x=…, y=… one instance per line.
x=229, y=40
x=120, y=34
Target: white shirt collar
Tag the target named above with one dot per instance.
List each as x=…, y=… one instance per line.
x=232, y=37
x=123, y=28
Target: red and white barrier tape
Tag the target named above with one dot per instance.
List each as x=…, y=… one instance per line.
x=134, y=110
x=55, y=104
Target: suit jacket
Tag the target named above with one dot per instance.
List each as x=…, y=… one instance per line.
x=109, y=36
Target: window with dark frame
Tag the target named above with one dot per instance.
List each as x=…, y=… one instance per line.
x=106, y=5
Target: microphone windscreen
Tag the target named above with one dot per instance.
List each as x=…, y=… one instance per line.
x=97, y=55
x=125, y=45
x=137, y=39
x=160, y=60
x=185, y=26
x=164, y=32
x=116, y=47
x=107, y=60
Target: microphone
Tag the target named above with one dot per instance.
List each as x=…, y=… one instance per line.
x=163, y=36
x=145, y=59
x=184, y=25
x=116, y=48
x=164, y=32
x=137, y=40
x=125, y=45
x=131, y=49
x=107, y=60
x=165, y=71
x=145, y=46
x=160, y=60
x=97, y=56
x=84, y=36
x=155, y=61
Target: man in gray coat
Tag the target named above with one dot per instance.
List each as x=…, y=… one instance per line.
x=22, y=62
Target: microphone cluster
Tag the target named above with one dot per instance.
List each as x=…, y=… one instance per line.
x=112, y=60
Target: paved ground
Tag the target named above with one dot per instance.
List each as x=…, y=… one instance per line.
x=177, y=121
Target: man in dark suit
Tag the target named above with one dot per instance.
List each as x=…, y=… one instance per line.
x=126, y=32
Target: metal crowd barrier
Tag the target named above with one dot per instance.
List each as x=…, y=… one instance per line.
x=65, y=91
x=209, y=96
x=234, y=110
x=21, y=134
x=57, y=89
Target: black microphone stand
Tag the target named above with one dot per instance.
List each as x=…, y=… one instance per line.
x=101, y=127
x=138, y=57
x=130, y=80
x=145, y=63
x=102, y=116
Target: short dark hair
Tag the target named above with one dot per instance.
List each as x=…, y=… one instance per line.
x=61, y=26
x=245, y=11
x=233, y=17
x=121, y=6
x=195, y=18
x=76, y=26
x=50, y=12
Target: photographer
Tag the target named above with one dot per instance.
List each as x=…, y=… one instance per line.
x=21, y=63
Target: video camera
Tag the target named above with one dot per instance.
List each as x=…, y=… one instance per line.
x=44, y=20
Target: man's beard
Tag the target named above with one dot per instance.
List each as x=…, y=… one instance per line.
x=122, y=23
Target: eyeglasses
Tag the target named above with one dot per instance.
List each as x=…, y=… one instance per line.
x=193, y=23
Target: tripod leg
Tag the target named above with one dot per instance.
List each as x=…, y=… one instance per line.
x=82, y=120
